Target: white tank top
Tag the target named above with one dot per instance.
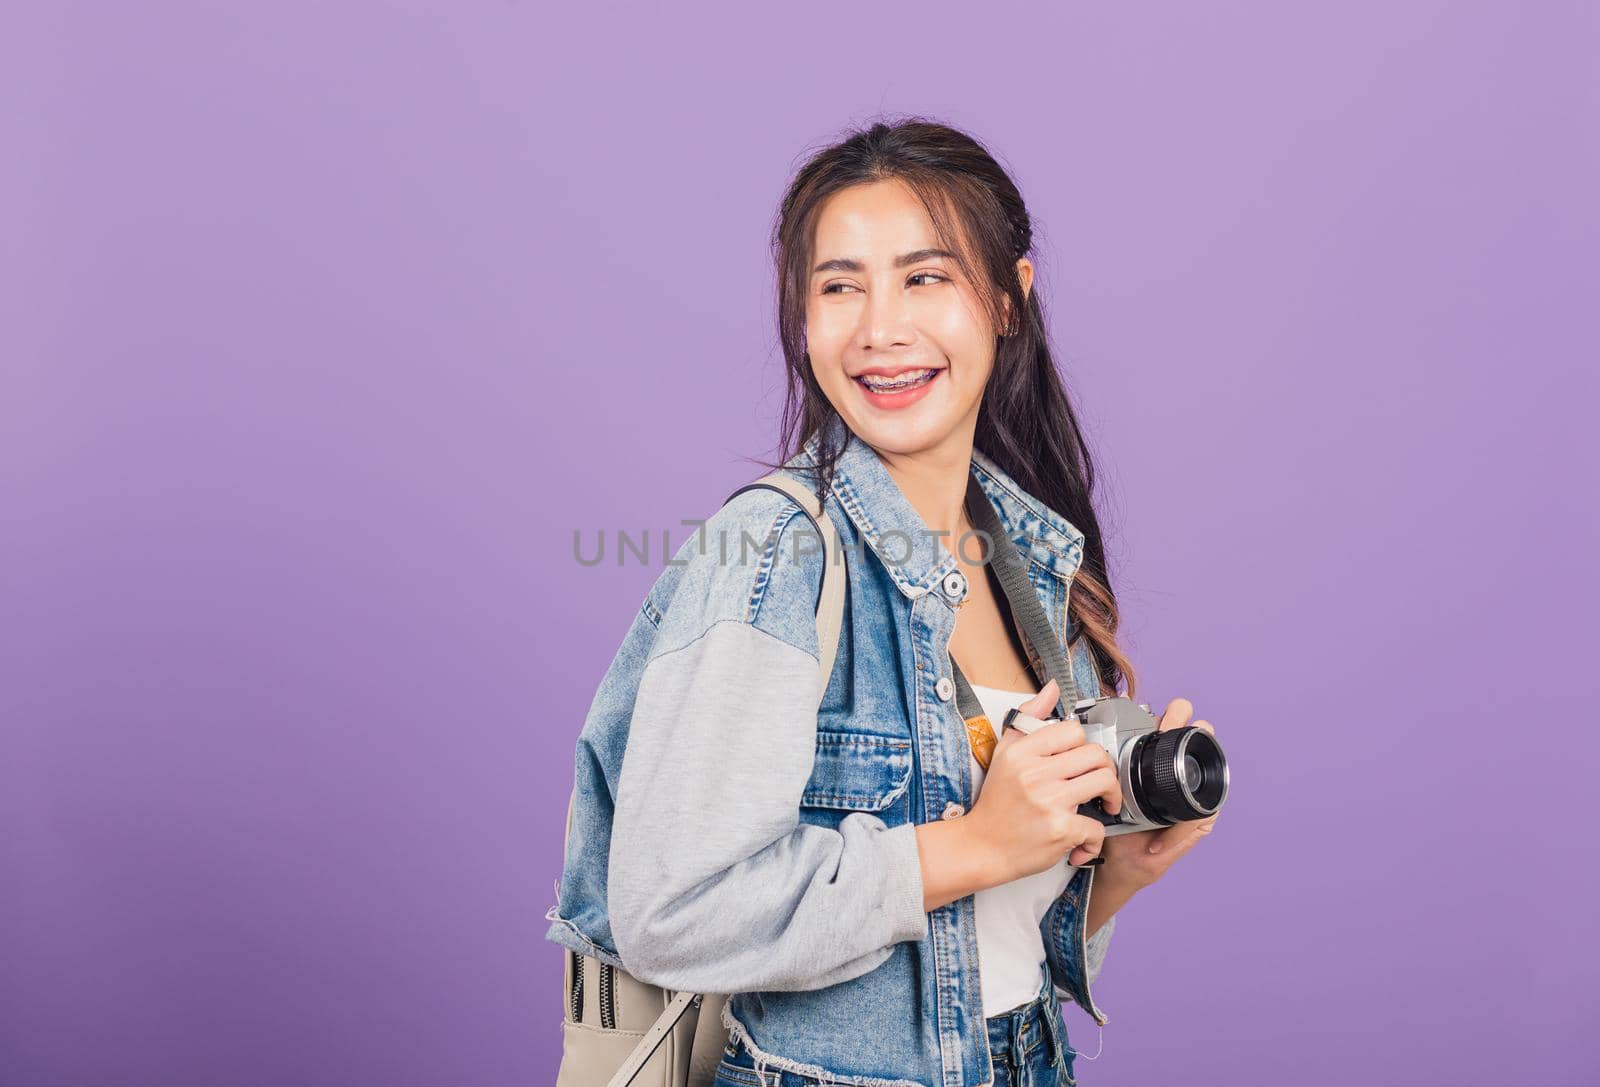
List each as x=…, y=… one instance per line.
x=1010, y=946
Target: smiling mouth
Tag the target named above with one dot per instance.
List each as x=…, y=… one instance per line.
x=910, y=380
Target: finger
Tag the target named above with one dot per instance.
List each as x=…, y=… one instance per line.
x=1196, y=832
x=1177, y=713
x=1042, y=704
x=1205, y=725
x=1050, y=737
x=1163, y=841
x=1033, y=712
x=1023, y=724
x=1096, y=783
x=1180, y=836
x=1080, y=760
x=1093, y=843
x=1075, y=762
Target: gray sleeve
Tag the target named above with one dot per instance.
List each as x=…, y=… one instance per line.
x=714, y=885
x=1095, y=948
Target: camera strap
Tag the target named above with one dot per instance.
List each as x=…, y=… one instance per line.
x=1011, y=571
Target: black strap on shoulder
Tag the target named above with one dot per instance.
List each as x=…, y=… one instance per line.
x=814, y=526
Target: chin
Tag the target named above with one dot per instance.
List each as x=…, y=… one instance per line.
x=903, y=436
x=917, y=428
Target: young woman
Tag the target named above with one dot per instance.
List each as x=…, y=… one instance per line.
x=891, y=896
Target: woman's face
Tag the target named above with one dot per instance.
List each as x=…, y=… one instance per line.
x=885, y=302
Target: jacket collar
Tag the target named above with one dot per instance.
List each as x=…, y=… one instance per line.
x=896, y=532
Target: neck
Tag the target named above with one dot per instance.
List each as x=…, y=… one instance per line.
x=934, y=481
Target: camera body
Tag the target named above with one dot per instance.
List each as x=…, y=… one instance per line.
x=1167, y=777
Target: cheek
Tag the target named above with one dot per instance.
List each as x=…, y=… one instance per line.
x=962, y=336
x=824, y=328
x=971, y=361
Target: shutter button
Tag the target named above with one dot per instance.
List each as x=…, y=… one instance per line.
x=944, y=688
x=952, y=810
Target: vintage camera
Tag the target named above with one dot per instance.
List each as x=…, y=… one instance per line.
x=1167, y=777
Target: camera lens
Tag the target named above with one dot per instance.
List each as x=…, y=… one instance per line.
x=1192, y=770
x=1179, y=775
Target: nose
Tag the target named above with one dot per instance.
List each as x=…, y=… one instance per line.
x=886, y=320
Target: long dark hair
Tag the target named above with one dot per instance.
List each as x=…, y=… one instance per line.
x=1025, y=422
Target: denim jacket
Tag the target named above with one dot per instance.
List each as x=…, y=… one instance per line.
x=730, y=835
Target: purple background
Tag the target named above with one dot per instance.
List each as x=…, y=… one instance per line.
x=323, y=327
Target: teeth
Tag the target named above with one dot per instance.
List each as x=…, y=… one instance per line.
x=877, y=381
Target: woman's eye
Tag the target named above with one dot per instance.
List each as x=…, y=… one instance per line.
x=839, y=288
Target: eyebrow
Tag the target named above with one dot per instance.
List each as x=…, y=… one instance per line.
x=904, y=260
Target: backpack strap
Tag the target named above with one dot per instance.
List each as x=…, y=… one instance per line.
x=830, y=602
x=830, y=619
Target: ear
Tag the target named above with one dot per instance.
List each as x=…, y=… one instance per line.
x=1025, y=275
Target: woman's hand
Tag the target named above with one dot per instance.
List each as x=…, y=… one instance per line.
x=1027, y=810
x=1139, y=859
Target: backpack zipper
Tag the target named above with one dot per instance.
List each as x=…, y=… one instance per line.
x=575, y=1011
x=608, y=994
x=608, y=997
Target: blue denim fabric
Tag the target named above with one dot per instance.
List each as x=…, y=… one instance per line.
x=1028, y=1045
x=891, y=746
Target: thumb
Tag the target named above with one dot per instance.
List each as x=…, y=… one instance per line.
x=1042, y=704
x=1040, y=707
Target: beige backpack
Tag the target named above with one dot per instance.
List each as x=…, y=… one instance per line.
x=617, y=1030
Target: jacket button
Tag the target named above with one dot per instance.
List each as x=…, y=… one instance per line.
x=955, y=585
x=944, y=688
x=952, y=810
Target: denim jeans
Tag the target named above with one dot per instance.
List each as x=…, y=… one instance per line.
x=1028, y=1046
